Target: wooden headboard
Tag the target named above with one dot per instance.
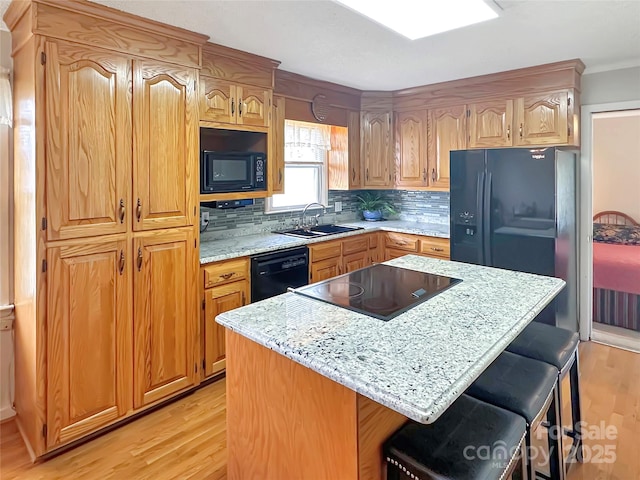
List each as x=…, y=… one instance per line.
x=614, y=218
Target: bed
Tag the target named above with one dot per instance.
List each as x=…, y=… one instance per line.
x=616, y=270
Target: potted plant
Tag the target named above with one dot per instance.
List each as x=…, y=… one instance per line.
x=373, y=204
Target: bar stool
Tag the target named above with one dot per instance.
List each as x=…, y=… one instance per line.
x=529, y=388
x=471, y=440
x=558, y=347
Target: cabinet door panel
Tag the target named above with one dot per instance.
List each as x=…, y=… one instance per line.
x=217, y=100
x=165, y=146
x=411, y=149
x=165, y=315
x=218, y=300
x=542, y=119
x=88, y=339
x=325, y=269
x=88, y=154
x=491, y=124
x=448, y=132
x=355, y=261
x=275, y=162
x=376, y=153
x=355, y=167
x=254, y=106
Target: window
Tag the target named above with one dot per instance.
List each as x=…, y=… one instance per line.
x=305, y=167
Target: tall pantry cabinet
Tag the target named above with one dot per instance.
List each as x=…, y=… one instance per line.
x=106, y=194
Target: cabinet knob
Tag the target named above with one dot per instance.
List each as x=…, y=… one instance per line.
x=138, y=209
x=353, y=175
x=509, y=132
x=433, y=175
x=226, y=276
x=521, y=126
x=233, y=106
x=280, y=176
x=240, y=107
x=424, y=174
x=436, y=249
x=367, y=174
x=139, y=258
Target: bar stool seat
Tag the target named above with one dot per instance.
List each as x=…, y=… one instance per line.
x=546, y=343
x=529, y=388
x=447, y=448
x=557, y=347
x=516, y=383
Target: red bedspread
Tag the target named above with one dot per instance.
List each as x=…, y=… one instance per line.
x=616, y=267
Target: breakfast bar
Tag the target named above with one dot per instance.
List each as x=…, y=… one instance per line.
x=314, y=389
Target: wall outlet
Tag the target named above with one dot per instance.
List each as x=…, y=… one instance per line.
x=6, y=324
x=337, y=207
x=204, y=218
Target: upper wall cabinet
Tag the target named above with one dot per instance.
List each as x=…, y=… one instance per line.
x=276, y=146
x=376, y=149
x=224, y=102
x=165, y=145
x=411, y=149
x=491, y=124
x=447, y=132
x=88, y=155
x=542, y=119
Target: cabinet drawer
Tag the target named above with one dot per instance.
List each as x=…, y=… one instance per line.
x=402, y=242
x=391, y=253
x=225, y=272
x=435, y=247
x=324, y=250
x=353, y=245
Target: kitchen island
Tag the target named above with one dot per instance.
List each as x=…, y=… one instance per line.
x=313, y=390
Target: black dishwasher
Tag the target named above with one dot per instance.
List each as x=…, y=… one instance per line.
x=273, y=273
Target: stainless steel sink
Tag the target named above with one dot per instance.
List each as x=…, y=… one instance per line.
x=318, y=231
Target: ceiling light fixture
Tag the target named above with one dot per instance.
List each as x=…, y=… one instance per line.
x=420, y=18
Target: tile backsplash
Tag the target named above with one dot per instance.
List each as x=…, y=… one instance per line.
x=430, y=207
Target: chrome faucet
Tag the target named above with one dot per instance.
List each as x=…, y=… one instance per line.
x=304, y=212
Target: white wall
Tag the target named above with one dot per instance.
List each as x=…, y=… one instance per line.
x=6, y=256
x=616, y=162
x=611, y=86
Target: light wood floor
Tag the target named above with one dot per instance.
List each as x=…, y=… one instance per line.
x=186, y=440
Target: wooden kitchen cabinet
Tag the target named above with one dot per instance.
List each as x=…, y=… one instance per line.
x=355, y=261
x=343, y=160
x=165, y=315
x=222, y=101
x=165, y=145
x=542, y=119
x=448, y=131
x=491, y=124
x=399, y=244
x=411, y=149
x=435, y=247
x=355, y=166
x=88, y=138
x=376, y=152
x=275, y=161
x=216, y=301
x=324, y=269
x=88, y=337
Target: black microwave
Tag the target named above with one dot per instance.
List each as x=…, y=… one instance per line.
x=224, y=172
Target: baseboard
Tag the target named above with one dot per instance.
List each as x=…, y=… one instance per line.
x=616, y=337
x=25, y=439
x=7, y=413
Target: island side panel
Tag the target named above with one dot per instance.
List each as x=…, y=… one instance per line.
x=285, y=420
x=376, y=423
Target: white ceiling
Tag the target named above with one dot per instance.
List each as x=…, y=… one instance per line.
x=325, y=40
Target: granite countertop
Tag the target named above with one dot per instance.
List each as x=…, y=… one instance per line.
x=241, y=246
x=419, y=362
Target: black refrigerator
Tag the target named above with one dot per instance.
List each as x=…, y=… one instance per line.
x=515, y=208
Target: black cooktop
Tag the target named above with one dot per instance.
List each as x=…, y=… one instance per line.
x=380, y=291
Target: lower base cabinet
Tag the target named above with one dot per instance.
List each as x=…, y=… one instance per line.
x=88, y=338
x=225, y=286
x=165, y=315
x=216, y=301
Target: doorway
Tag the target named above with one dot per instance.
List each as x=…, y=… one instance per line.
x=610, y=213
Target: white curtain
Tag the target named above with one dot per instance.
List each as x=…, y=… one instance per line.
x=6, y=109
x=304, y=134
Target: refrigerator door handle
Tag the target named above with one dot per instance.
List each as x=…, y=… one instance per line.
x=480, y=217
x=486, y=224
